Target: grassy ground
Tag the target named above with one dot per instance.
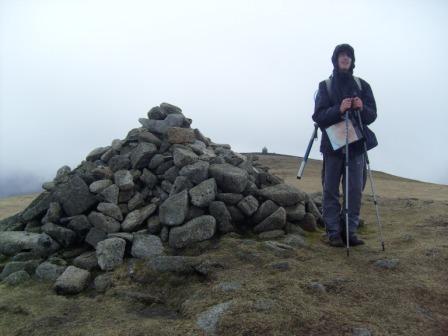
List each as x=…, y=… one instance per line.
x=409, y=300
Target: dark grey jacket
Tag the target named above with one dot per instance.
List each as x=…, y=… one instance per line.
x=326, y=113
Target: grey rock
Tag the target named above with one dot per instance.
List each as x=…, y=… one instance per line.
x=280, y=266
x=171, y=174
x=271, y=234
x=110, y=210
x=229, y=198
x=153, y=225
x=164, y=233
x=296, y=212
x=136, y=201
x=119, y=162
x=74, y=196
x=53, y=213
x=72, y=281
x=295, y=240
x=98, y=186
x=273, y=222
x=229, y=178
x=162, y=168
x=229, y=286
x=170, y=109
x=107, y=155
x=278, y=249
x=125, y=195
x=102, y=173
x=49, y=186
x=147, y=136
x=387, y=263
x=24, y=256
x=94, y=236
x=361, y=332
x=204, y=193
x=156, y=113
x=11, y=223
x=110, y=194
x=317, y=287
x=196, y=230
x=48, y=271
x=62, y=174
x=37, y=207
x=148, y=178
x=179, y=135
x=135, y=218
x=14, y=266
x=156, y=161
x=104, y=223
x=248, y=205
x=183, y=157
x=283, y=194
x=208, y=320
x=79, y=224
x=96, y=153
x=12, y=242
x=17, y=278
x=62, y=235
x=181, y=183
x=103, y=282
x=128, y=237
x=161, y=126
x=266, y=209
x=311, y=207
x=86, y=260
x=142, y=154
x=166, y=186
x=145, y=246
x=174, y=209
x=32, y=226
x=110, y=252
x=196, y=172
x=201, y=137
x=124, y=180
x=235, y=213
x=223, y=218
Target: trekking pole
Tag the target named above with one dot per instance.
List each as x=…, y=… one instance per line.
x=380, y=228
x=346, y=184
x=307, y=153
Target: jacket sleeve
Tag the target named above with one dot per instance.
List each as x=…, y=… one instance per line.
x=325, y=114
x=368, y=114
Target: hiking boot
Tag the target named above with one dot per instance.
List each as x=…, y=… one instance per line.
x=352, y=239
x=335, y=241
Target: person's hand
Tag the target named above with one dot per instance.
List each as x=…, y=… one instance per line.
x=357, y=103
x=345, y=105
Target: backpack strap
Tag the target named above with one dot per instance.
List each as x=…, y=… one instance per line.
x=329, y=80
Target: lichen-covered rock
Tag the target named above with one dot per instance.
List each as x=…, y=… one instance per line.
x=204, y=193
x=183, y=157
x=145, y=246
x=110, y=252
x=104, y=223
x=12, y=242
x=273, y=222
x=124, y=180
x=198, y=229
x=74, y=196
x=48, y=271
x=72, y=281
x=283, y=194
x=174, y=210
x=229, y=178
x=248, y=205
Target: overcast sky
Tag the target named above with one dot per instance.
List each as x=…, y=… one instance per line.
x=74, y=75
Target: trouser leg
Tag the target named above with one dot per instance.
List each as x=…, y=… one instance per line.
x=356, y=169
x=331, y=207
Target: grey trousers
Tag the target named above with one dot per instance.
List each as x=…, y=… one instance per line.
x=332, y=211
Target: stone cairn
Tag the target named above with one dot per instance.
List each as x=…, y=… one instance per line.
x=163, y=188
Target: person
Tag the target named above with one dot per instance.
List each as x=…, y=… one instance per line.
x=335, y=96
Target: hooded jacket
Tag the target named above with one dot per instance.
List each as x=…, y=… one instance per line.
x=343, y=85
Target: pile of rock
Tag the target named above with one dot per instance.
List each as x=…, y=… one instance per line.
x=163, y=188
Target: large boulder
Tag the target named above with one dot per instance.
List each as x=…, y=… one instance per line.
x=104, y=223
x=174, y=210
x=72, y=281
x=196, y=230
x=12, y=242
x=74, y=196
x=283, y=194
x=37, y=207
x=62, y=235
x=204, y=193
x=229, y=178
x=274, y=222
x=110, y=253
x=145, y=246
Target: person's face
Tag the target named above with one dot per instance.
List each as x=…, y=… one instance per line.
x=344, y=61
